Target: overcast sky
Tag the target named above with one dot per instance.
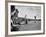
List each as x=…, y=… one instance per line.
x=30, y=11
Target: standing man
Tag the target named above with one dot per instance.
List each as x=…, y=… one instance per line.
x=35, y=18
x=26, y=19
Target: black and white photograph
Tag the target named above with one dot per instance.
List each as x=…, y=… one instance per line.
x=25, y=18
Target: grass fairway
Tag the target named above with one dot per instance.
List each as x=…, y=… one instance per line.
x=32, y=25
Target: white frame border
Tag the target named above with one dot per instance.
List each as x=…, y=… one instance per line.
x=24, y=32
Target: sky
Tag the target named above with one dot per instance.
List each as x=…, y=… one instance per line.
x=29, y=11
